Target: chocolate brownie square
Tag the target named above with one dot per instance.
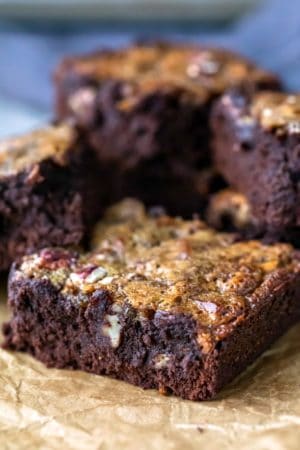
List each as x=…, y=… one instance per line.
x=160, y=302
x=256, y=148
x=47, y=191
x=145, y=109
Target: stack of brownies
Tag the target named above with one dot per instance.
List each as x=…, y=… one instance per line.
x=143, y=290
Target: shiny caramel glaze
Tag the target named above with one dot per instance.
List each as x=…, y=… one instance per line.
x=165, y=264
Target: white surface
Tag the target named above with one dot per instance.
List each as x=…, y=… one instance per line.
x=16, y=118
x=125, y=9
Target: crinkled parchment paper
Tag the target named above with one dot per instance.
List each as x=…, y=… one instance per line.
x=56, y=409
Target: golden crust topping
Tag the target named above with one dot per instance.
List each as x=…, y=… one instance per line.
x=166, y=264
x=197, y=70
x=23, y=152
x=279, y=111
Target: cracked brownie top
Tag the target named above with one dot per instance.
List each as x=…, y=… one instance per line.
x=22, y=152
x=167, y=264
x=203, y=71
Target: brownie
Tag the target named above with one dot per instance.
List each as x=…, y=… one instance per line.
x=145, y=110
x=256, y=148
x=160, y=302
x=47, y=191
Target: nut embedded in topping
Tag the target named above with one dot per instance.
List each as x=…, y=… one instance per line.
x=54, y=258
x=193, y=70
x=294, y=127
x=209, y=67
x=96, y=275
x=203, y=64
x=81, y=103
x=209, y=307
x=107, y=280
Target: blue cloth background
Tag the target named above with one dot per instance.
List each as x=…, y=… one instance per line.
x=269, y=35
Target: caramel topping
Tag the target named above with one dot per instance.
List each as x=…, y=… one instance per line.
x=279, y=111
x=165, y=264
x=199, y=70
x=20, y=153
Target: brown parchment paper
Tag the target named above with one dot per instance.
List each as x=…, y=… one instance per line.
x=55, y=409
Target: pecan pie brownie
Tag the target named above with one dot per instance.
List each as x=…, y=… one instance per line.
x=159, y=302
x=146, y=111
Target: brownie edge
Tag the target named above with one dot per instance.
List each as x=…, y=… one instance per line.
x=49, y=194
x=256, y=149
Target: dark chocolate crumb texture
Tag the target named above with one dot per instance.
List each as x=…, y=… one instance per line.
x=256, y=148
x=145, y=109
x=46, y=197
x=160, y=302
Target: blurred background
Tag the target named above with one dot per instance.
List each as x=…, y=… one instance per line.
x=36, y=34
